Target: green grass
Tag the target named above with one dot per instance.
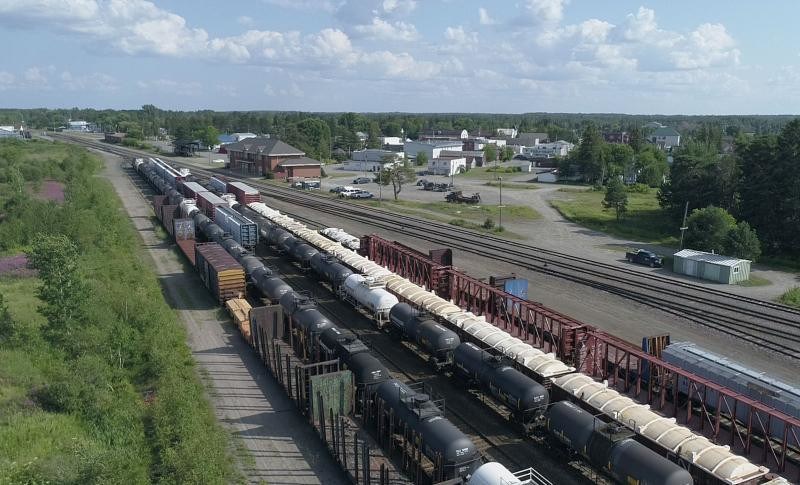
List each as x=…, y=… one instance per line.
x=117, y=399
x=755, y=281
x=514, y=185
x=791, y=297
x=470, y=213
x=644, y=220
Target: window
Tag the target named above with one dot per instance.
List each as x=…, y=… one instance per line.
x=735, y=269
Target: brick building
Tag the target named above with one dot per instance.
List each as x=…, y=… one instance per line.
x=263, y=155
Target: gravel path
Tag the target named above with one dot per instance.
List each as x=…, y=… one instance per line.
x=251, y=404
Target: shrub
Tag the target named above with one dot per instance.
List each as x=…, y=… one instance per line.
x=638, y=188
x=488, y=223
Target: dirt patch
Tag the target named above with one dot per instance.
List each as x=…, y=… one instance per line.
x=52, y=190
x=16, y=265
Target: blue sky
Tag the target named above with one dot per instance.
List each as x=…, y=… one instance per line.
x=659, y=57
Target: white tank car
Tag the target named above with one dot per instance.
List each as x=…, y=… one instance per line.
x=348, y=240
x=188, y=208
x=494, y=473
x=364, y=292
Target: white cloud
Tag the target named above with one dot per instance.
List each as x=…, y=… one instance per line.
x=484, y=18
x=401, y=7
x=172, y=87
x=245, y=20
x=315, y=5
x=269, y=90
x=92, y=81
x=34, y=75
x=461, y=37
x=7, y=80
x=546, y=11
x=383, y=30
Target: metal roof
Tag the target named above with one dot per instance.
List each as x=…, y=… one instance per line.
x=709, y=257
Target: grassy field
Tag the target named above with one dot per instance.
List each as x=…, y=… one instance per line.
x=644, y=220
x=791, y=297
x=514, y=185
x=116, y=398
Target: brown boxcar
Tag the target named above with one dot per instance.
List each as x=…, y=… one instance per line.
x=221, y=274
x=208, y=202
x=244, y=193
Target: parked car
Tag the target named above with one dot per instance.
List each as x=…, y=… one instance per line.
x=348, y=192
x=340, y=188
x=642, y=256
x=362, y=194
x=421, y=182
x=362, y=180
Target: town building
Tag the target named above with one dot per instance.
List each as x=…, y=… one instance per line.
x=267, y=155
x=447, y=166
x=530, y=139
x=80, y=126
x=506, y=132
x=9, y=132
x=432, y=149
x=444, y=135
x=665, y=138
x=555, y=149
x=474, y=158
x=618, y=137
x=709, y=266
x=372, y=160
x=392, y=143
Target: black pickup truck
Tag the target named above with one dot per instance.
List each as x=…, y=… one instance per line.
x=643, y=256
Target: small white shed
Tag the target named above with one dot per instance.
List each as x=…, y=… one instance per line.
x=709, y=266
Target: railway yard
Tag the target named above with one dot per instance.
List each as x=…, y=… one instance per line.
x=572, y=337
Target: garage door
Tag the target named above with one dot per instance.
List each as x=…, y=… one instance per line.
x=711, y=272
x=690, y=267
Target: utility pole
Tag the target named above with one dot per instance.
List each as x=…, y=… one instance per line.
x=683, y=226
x=500, y=180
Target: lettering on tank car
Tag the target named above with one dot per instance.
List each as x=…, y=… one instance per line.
x=462, y=451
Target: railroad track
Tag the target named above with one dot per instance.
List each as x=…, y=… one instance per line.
x=495, y=438
x=768, y=325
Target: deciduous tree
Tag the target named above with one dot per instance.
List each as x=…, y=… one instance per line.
x=709, y=228
x=397, y=176
x=743, y=242
x=616, y=197
x=63, y=292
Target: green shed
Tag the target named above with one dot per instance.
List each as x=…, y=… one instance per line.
x=710, y=266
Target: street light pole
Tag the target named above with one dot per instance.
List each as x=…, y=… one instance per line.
x=500, y=179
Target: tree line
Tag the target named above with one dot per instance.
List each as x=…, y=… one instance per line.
x=330, y=135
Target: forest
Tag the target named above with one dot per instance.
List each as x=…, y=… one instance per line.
x=320, y=134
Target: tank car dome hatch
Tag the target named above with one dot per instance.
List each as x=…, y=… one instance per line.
x=493, y=473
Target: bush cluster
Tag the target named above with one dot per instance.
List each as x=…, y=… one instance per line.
x=117, y=400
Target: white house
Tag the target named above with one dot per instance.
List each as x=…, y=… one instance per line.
x=507, y=132
x=372, y=160
x=558, y=148
x=432, y=149
x=83, y=126
x=391, y=140
x=665, y=138
x=9, y=132
x=447, y=166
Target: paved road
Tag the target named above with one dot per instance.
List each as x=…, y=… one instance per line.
x=283, y=446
